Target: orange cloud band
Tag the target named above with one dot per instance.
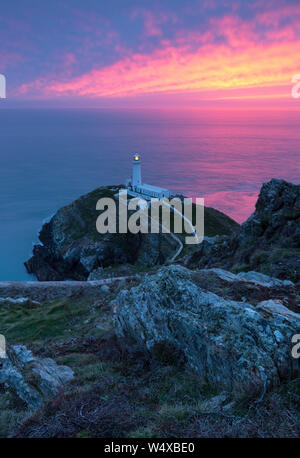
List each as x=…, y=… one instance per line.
x=242, y=63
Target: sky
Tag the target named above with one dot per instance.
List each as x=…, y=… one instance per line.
x=154, y=53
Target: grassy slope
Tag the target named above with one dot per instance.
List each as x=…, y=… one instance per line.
x=78, y=219
x=217, y=222
x=121, y=394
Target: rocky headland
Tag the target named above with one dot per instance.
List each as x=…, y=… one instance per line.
x=71, y=247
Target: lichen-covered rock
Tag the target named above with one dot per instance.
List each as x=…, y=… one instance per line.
x=274, y=307
x=252, y=286
x=35, y=380
x=263, y=280
x=231, y=345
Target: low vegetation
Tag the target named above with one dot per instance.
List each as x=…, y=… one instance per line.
x=118, y=391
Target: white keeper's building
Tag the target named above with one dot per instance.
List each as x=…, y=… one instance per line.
x=136, y=188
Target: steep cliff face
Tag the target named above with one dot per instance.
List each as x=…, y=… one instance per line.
x=269, y=241
x=71, y=247
x=276, y=219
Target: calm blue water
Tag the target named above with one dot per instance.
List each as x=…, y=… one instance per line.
x=49, y=158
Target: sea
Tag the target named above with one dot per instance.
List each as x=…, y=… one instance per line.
x=49, y=157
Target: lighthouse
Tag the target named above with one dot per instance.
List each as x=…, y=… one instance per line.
x=136, y=170
x=136, y=188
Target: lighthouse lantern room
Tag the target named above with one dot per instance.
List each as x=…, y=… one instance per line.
x=136, y=170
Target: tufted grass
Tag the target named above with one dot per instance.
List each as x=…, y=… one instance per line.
x=62, y=319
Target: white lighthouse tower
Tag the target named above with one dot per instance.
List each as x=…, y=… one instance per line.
x=137, y=189
x=136, y=170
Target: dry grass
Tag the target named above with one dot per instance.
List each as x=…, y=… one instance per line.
x=121, y=394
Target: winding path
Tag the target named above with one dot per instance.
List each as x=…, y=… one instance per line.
x=193, y=231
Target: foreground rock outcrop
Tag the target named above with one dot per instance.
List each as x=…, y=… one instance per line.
x=34, y=380
x=269, y=241
x=233, y=346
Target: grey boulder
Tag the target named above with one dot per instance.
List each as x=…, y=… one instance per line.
x=35, y=380
x=232, y=345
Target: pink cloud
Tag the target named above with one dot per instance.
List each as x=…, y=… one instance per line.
x=195, y=63
x=151, y=26
x=69, y=60
x=273, y=16
x=153, y=22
